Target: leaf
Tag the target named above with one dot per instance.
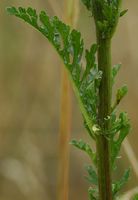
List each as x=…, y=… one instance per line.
x=102, y=25
x=47, y=29
x=90, y=60
x=12, y=10
x=93, y=194
x=88, y=129
x=108, y=11
x=135, y=197
x=30, y=11
x=89, y=91
x=84, y=147
x=117, y=186
x=107, y=20
x=121, y=93
x=77, y=50
x=115, y=71
x=92, y=178
x=69, y=45
x=122, y=13
x=120, y=129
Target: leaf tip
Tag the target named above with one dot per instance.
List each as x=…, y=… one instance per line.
x=11, y=10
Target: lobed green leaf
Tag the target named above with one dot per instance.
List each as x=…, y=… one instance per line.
x=117, y=186
x=135, y=197
x=85, y=79
x=106, y=20
x=93, y=193
x=120, y=127
x=121, y=93
x=122, y=13
x=86, y=148
x=115, y=71
x=92, y=178
x=70, y=47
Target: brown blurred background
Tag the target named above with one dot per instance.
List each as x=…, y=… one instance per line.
x=30, y=90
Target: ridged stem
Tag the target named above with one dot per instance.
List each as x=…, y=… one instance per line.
x=104, y=109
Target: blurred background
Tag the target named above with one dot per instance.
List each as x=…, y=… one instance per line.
x=30, y=104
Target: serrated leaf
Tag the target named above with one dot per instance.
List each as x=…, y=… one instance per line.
x=86, y=148
x=92, y=178
x=69, y=46
x=117, y=186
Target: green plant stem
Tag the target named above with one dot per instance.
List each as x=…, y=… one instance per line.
x=103, y=142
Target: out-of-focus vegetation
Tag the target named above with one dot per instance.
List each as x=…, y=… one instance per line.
x=30, y=86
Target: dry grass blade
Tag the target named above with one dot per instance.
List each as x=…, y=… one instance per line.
x=70, y=16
